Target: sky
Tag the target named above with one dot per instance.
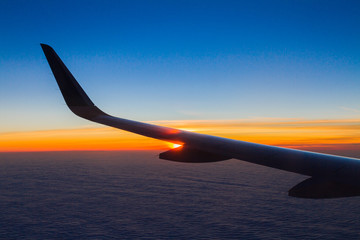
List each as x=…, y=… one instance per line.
x=214, y=65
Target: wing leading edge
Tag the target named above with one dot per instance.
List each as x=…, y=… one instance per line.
x=331, y=176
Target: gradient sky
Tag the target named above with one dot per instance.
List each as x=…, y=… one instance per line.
x=181, y=60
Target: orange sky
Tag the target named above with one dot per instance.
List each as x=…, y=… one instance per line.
x=343, y=134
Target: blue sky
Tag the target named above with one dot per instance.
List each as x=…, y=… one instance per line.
x=174, y=60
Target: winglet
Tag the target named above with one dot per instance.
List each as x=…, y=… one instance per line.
x=75, y=97
x=73, y=94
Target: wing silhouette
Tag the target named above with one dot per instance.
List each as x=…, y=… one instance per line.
x=330, y=176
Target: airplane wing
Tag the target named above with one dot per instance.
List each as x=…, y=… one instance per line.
x=330, y=176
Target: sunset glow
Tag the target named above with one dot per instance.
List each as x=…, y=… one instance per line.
x=341, y=134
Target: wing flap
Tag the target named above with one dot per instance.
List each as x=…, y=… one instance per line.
x=191, y=155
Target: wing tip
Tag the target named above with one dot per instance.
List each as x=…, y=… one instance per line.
x=46, y=47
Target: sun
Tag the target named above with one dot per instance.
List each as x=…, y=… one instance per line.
x=174, y=145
